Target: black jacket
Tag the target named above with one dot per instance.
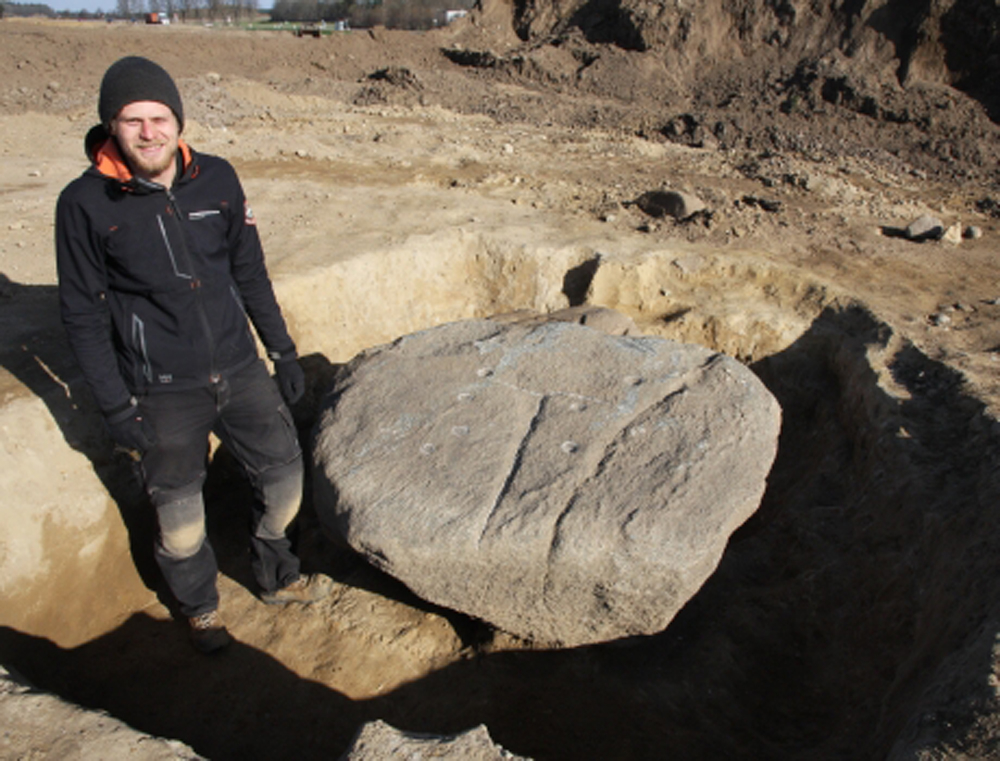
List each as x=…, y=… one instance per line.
x=156, y=284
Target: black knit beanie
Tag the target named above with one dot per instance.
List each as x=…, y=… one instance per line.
x=134, y=78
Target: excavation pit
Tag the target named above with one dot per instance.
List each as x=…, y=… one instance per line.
x=850, y=616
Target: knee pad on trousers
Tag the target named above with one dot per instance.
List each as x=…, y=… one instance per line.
x=281, y=494
x=182, y=525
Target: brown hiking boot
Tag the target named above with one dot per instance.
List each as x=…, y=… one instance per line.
x=208, y=633
x=305, y=589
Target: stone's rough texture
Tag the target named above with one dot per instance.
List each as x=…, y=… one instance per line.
x=663, y=203
x=39, y=725
x=599, y=318
x=953, y=234
x=925, y=228
x=564, y=485
x=378, y=741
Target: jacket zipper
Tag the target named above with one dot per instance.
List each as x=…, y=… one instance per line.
x=195, y=282
x=139, y=340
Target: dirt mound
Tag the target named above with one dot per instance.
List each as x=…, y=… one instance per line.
x=817, y=79
x=953, y=43
x=882, y=81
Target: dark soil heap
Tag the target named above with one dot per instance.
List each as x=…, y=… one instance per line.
x=816, y=78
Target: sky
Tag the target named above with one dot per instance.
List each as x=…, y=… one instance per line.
x=77, y=5
x=91, y=5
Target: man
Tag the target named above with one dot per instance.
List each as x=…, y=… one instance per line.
x=160, y=267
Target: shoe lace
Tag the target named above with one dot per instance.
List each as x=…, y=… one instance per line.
x=205, y=621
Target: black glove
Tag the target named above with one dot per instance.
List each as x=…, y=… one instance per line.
x=131, y=431
x=291, y=379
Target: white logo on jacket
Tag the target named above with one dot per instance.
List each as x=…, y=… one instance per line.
x=196, y=215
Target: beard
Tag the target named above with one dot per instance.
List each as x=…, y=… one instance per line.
x=149, y=166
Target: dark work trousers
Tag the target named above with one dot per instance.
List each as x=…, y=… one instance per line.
x=248, y=415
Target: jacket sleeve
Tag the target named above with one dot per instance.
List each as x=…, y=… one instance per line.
x=250, y=273
x=83, y=304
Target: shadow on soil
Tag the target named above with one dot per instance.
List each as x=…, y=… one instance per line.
x=869, y=563
x=36, y=352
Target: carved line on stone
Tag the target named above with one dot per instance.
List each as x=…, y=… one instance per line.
x=609, y=450
x=547, y=583
x=515, y=466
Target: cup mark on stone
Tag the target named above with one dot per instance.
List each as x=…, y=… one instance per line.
x=577, y=406
x=569, y=447
x=631, y=380
x=484, y=372
x=428, y=448
x=465, y=396
x=460, y=430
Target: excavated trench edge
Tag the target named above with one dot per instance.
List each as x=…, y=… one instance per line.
x=864, y=577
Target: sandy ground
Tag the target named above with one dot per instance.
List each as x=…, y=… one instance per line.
x=341, y=167
x=319, y=168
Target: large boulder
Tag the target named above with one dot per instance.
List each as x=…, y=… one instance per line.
x=565, y=485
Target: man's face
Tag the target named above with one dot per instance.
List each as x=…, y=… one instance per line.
x=147, y=133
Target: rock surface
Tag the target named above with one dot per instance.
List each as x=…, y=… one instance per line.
x=378, y=741
x=39, y=725
x=925, y=227
x=672, y=203
x=567, y=486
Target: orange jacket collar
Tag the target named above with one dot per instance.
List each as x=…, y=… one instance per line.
x=109, y=161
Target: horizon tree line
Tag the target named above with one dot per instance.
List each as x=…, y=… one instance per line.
x=395, y=14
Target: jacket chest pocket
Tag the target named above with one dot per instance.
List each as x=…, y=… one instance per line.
x=207, y=231
x=148, y=256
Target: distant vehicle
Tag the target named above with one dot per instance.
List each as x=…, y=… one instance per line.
x=156, y=18
x=310, y=30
